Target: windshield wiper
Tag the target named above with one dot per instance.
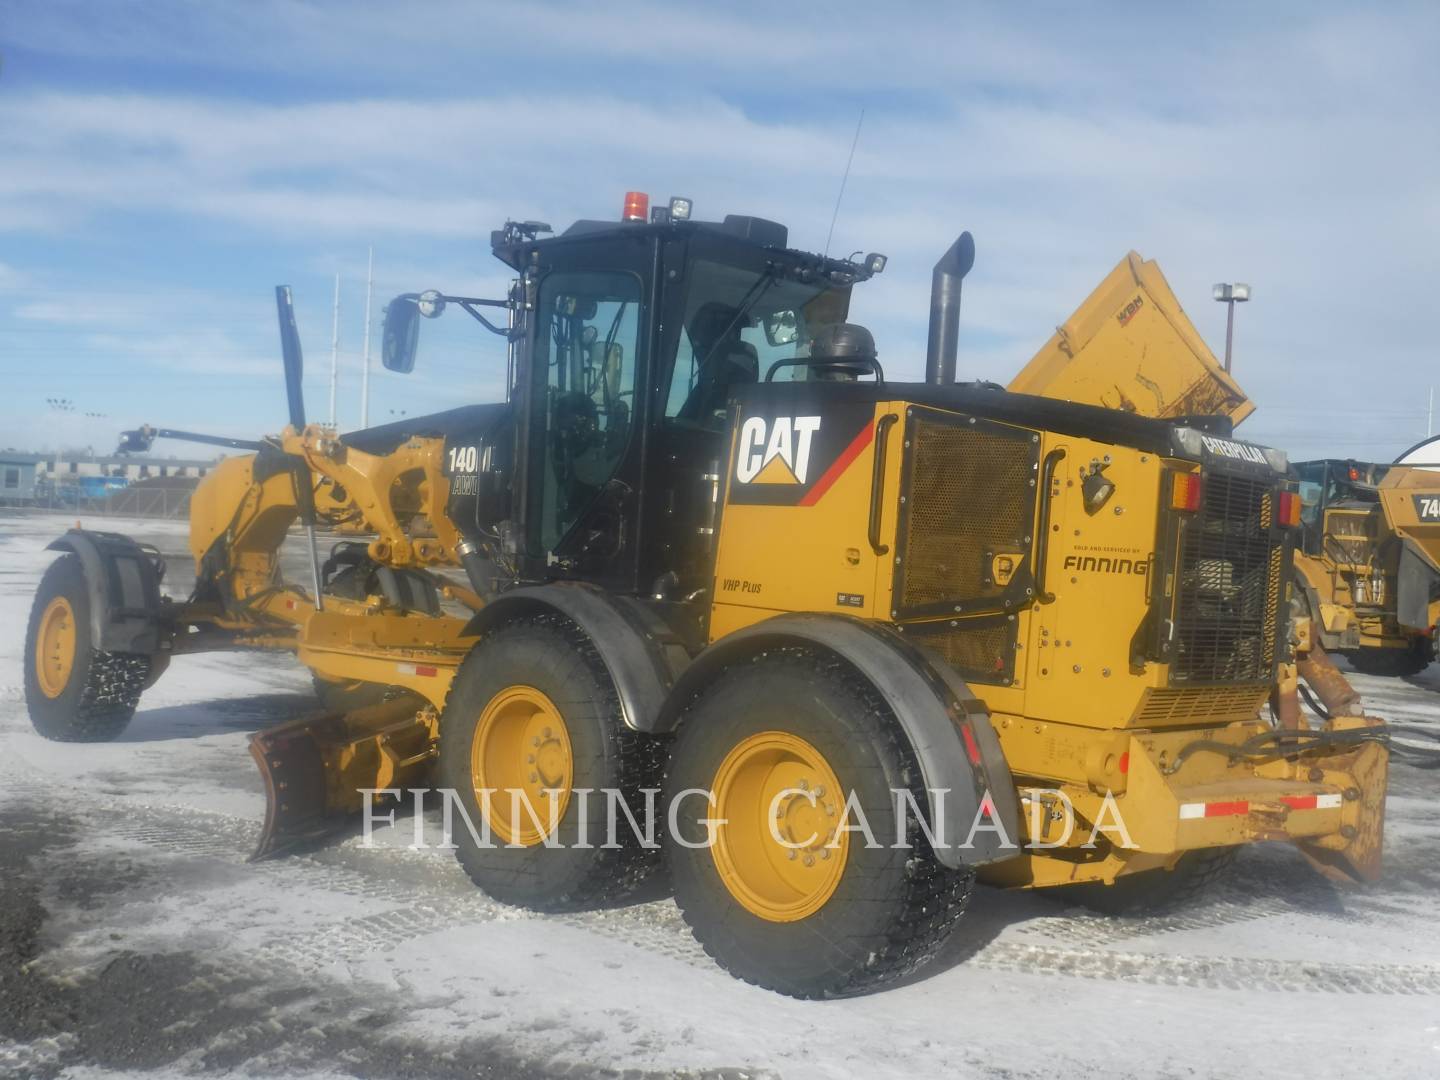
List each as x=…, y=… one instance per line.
x=751, y=298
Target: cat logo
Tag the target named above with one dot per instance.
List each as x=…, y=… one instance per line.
x=775, y=451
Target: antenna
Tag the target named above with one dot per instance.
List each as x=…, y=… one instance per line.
x=848, y=162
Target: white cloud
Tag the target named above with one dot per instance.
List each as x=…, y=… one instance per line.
x=1291, y=147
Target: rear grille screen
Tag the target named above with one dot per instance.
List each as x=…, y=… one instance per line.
x=981, y=649
x=969, y=497
x=1228, y=584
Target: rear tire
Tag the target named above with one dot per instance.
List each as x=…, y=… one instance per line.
x=1152, y=892
x=75, y=692
x=547, y=662
x=1411, y=660
x=885, y=912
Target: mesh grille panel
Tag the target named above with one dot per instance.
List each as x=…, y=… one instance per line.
x=1352, y=536
x=1180, y=705
x=969, y=493
x=1228, y=585
x=982, y=649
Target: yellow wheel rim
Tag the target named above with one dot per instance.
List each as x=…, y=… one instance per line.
x=55, y=647
x=781, y=851
x=521, y=755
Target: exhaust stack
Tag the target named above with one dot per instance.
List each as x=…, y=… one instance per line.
x=945, y=310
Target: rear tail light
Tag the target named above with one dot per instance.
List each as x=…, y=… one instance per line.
x=1185, y=489
x=1289, y=509
x=637, y=206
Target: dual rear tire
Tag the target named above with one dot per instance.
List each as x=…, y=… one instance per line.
x=771, y=760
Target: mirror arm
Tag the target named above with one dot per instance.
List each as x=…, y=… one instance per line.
x=468, y=305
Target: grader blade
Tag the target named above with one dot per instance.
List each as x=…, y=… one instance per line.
x=317, y=769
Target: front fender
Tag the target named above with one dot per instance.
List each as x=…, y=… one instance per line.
x=124, y=584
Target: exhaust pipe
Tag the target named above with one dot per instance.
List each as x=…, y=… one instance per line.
x=945, y=310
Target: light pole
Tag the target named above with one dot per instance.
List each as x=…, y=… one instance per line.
x=1230, y=295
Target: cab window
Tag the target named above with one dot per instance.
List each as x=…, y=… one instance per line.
x=587, y=334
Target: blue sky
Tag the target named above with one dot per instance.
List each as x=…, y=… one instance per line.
x=164, y=165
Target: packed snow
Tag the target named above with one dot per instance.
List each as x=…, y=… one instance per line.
x=1277, y=974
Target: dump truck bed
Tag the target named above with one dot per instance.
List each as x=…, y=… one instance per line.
x=1130, y=346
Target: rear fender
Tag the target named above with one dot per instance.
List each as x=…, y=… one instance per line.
x=123, y=580
x=947, y=727
x=641, y=653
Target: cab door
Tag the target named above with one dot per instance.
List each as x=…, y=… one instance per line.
x=590, y=343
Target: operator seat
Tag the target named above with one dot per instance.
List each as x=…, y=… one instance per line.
x=726, y=362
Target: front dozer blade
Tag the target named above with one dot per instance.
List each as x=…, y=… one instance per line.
x=317, y=769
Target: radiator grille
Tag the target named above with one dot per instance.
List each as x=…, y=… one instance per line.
x=1180, y=705
x=1351, y=539
x=970, y=496
x=982, y=649
x=1229, y=585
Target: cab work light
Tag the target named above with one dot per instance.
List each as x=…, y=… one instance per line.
x=1289, y=509
x=1185, y=491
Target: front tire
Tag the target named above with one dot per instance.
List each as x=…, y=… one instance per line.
x=533, y=710
x=74, y=691
x=825, y=914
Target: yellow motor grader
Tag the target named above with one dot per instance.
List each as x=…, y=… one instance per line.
x=868, y=638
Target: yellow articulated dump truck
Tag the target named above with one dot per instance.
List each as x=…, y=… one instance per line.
x=1130, y=346
x=840, y=643
x=1368, y=563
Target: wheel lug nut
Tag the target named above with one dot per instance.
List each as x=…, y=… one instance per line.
x=534, y=777
x=809, y=859
x=530, y=759
x=824, y=853
x=535, y=741
x=804, y=784
x=820, y=792
x=791, y=855
x=546, y=733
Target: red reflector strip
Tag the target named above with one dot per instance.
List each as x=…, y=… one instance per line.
x=424, y=670
x=971, y=746
x=1214, y=809
x=1313, y=802
x=1125, y=762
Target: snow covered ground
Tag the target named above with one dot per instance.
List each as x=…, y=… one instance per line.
x=150, y=944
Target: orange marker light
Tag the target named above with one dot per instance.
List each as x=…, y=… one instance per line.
x=637, y=206
x=1289, y=509
x=1185, y=491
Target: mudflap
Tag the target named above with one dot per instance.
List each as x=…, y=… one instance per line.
x=320, y=770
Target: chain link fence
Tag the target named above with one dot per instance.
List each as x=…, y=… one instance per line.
x=139, y=501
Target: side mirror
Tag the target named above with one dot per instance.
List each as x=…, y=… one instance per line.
x=401, y=334
x=782, y=328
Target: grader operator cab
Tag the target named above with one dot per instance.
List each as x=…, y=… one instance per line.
x=868, y=638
